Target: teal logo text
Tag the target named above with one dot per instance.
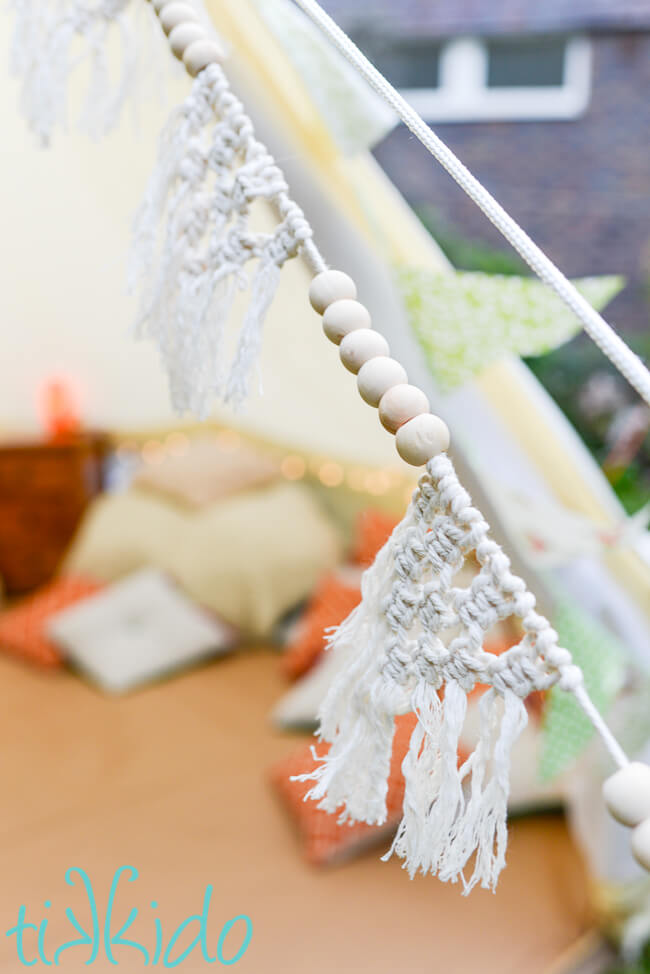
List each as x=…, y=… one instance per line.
x=106, y=935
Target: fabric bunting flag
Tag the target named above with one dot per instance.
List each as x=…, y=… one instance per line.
x=466, y=320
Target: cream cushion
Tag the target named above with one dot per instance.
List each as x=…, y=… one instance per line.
x=258, y=555
x=249, y=558
x=207, y=471
x=123, y=532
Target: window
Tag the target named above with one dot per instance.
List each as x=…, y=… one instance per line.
x=406, y=63
x=526, y=63
x=471, y=79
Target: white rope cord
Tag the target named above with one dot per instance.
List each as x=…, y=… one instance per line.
x=621, y=356
x=313, y=257
x=615, y=750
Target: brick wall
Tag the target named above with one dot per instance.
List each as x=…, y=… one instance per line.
x=581, y=188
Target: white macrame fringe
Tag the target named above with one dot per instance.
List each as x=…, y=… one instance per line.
x=354, y=777
x=415, y=643
x=453, y=812
x=52, y=39
x=194, y=241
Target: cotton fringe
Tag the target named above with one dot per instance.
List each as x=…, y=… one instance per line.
x=54, y=38
x=194, y=239
x=415, y=644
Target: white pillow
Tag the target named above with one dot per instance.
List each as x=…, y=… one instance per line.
x=135, y=631
x=298, y=708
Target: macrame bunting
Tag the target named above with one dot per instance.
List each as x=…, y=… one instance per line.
x=415, y=643
x=194, y=241
x=51, y=39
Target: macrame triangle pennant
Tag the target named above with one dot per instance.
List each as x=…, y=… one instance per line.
x=194, y=240
x=415, y=643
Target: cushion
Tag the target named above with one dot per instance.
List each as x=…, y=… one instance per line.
x=124, y=532
x=334, y=598
x=322, y=839
x=372, y=531
x=208, y=470
x=250, y=558
x=23, y=627
x=298, y=708
x=136, y=630
x=255, y=556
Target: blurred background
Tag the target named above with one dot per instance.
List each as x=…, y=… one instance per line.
x=168, y=585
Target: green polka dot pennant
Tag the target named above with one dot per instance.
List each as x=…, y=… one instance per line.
x=465, y=320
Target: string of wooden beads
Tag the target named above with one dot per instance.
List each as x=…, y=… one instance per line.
x=381, y=380
x=627, y=796
x=188, y=38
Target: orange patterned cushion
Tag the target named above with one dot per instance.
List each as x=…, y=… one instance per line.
x=22, y=627
x=373, y=530
x=331, y=603
x=323, y=839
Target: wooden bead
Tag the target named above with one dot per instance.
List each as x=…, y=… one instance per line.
x=377, y=376
x=328, y=287
x=422, y=438
x=185, y=34
x=360, y=346
x=401, y=403
x=200, y=54
x=175, y=13
x=342, y=317
x=627, y=794
x=641, y=844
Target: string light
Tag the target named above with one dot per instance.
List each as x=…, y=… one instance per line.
x=331, y=474
x=376, y=482
x=228, y=439
x=153, y=451
x=177, y=444
x=293, y=467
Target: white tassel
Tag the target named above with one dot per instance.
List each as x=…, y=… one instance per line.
x=482, y=826
x=51, y=39
x=401, y=657
x=262, y=292
x=434, y=794
x=193, y=244
x=357, y=716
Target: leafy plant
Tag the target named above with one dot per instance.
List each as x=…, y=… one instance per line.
x=641, y=967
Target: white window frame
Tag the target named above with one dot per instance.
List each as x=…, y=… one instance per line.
x=463, y=94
